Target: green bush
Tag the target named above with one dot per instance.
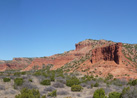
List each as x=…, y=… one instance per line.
x=72, y=81
x=44, y=96
x=99, y=93
x=37, y=73
x=30, y=80
x=18, y=81
x=17, y=74
x=92, y=85
x=53, y=93
x=76, y=88
x=52, y=78
x=6, y=79
x=114, y=95
x=27, y=93
x=109, y=77
x=45, y=82
x=23, y=73
x=96, y=84
x=125, y=90
x=86, y=78
x=129, y=92
x=133, y=83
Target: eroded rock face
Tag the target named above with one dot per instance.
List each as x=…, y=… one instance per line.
x=16, y=64
x=80, y=46
x=108, y=53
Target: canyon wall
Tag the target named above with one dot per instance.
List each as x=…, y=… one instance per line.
x=108, y=53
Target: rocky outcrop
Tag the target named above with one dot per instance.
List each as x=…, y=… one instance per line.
x=108, y=53
x=15, y=64
x=80, y=46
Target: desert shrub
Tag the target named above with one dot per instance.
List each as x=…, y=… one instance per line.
x=6, y=79
x=129, y=92
x=44, y=96
x=61, y=80
x=41, y=78
x=79, y=95
x=27, y=93
x=25, y=77
x=86, y=78
x=2, y=87
x=50, y=88
x=114, y=95
x=59, y=73
x=30, y=80
x=37, y=73
x=100, y=80
x=17, y=74
x=83, y=84
x=107, y=90
x=58, y=85
x=76, y=88
x=62, y=92
x=23, y=73
x=125, y=90
x=96, y=84
x=18, y=81
x=133, y=82
x=99, y=93
x=45, y=75
x=94, y=79
x=118, y=82
x=28, y=85
x=92, y=85
x=6, y=92
x=45, y=82
x=52, y=78
x=90, y=82
x=109, y=77
x=53, y=93
x=72, y=81
x=12, y=91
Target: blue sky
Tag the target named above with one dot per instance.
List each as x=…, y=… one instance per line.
x=36, y=28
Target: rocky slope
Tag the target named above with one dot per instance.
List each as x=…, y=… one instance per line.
x=15, y=64
x=98, y=57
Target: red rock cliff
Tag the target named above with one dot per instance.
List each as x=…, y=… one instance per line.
x=80, y=46
x=16, y=64
x=108, y=53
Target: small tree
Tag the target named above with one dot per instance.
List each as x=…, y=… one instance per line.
x=45, y=82
x=27, y=93
x=96, y=84
x=76, y=88
x=72, y=81
x=6, y=79
x=114, y=95
x=18, y=81
x=53, y=93
x=91, y=85
x=133, y=83
x=99, y=93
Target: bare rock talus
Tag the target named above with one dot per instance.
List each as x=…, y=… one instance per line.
x=108, y=53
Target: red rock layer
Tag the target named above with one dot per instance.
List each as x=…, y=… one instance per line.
x=80, y=46
x=15, y=64
x=57, y=62
x=108, y=53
